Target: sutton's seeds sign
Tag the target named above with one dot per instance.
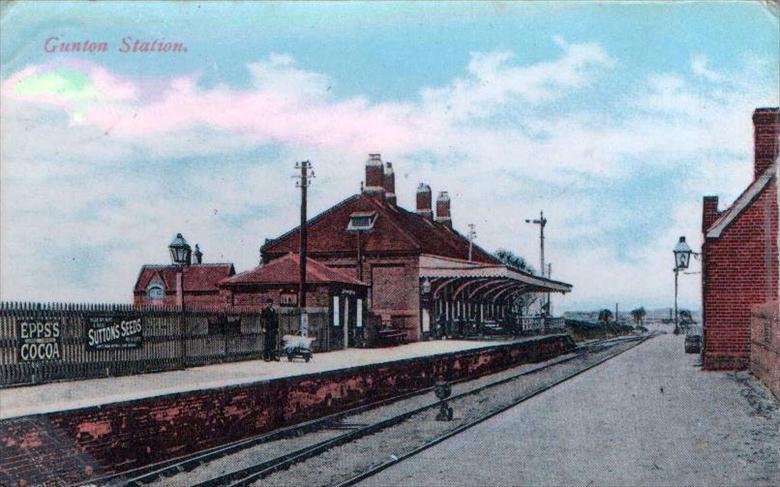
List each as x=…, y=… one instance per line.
x=105, y=332
x=39, y=340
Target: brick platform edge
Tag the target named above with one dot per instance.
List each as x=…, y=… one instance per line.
x=74, y=446
x=765, y=345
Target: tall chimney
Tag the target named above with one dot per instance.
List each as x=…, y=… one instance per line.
x=389, y=183
x=709, y=212
x=374, y=176
x=424, y=199
x=766, y=137
x=443, y=209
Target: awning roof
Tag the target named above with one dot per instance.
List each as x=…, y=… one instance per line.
x=435, y=267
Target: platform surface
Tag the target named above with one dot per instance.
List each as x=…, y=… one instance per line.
x=649, y=417
x=63, y=396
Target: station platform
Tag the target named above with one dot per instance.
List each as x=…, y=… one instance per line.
x=83, y=431
x=64, y=396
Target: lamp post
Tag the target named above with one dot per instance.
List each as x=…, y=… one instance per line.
x=472, y=236
x=181, y=255
x=682, y=257
x=427, y=317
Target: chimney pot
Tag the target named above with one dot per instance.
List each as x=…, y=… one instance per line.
x=443, y=209
x=424, y=201
x=709, y=212
x=389, y=183
x=766, y=138
x=374, y=176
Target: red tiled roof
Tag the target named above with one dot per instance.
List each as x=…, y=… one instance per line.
x=195, y=277
x=395, y=230
x=286, y=270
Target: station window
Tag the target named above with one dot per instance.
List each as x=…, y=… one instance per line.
x=288, y=299
x=155, y=293
x=361, y=221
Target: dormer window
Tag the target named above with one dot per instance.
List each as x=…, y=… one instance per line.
x=155, y=293
x=361, y=221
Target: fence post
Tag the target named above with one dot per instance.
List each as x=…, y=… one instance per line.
x=182, y=333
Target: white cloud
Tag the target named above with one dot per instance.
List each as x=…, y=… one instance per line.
x=700, y=66
x=84, y=205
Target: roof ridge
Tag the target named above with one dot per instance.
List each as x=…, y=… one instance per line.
x=741, y=202
x=309, y=222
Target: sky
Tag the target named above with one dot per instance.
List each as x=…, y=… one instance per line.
x=613, y=118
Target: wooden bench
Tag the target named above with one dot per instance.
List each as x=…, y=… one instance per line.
x=390, y=336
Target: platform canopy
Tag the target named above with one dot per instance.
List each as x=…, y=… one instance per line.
x=480, y=280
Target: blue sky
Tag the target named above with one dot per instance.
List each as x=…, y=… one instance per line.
x=615, y=118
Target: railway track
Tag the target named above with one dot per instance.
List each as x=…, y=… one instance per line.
x=353, y=431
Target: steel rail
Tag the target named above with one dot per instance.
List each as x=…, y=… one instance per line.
x=248, y=475
x=149, y=473
x=378, y=468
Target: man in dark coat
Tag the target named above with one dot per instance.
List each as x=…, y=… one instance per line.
x=271, y=323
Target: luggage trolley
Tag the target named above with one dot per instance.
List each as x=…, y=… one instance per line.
x=297, y=346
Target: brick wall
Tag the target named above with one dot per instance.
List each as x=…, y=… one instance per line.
x=395, y=288
x=740, y=271
x=75, y=446
x=198, y=299
x=765, y=345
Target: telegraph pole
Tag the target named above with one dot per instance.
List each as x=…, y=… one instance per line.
x=303, y=181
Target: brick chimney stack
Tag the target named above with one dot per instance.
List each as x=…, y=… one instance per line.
x=375, y=176
x=424, y=201
x=389, y=183
x=443, y=209
x=766, y=137
x=709, y=212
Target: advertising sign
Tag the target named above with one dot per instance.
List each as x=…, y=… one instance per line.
x=39, y=340
x=106, y=332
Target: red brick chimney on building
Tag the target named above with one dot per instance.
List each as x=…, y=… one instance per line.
x=766, y=137
x=389, y=183
x=443, y=209
x=424, y=201
x=375, y=176
x=709, y=212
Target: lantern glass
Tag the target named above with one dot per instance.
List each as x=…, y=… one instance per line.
x=426, y=286
x=682, y=254
x=180, y=250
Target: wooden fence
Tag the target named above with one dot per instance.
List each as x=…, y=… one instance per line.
x=43, y=342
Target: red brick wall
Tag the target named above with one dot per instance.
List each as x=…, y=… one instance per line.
x=72, y=446
x=765, y=345
x=205, y=299
x=740, y=270
x=316, y=296
x=395, y=290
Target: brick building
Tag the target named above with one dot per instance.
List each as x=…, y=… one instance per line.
x=182, y=283
x=330, y=291
x=740, y=253
x=416, y=263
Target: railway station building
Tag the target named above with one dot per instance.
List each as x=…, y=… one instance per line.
x=418, y=266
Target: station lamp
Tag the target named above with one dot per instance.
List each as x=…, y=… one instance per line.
x=682, y=254
x=180, y=250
